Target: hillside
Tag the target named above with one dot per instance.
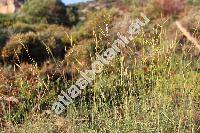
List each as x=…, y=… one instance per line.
x=101, y=66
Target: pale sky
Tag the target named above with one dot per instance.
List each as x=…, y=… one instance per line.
x=73, y=1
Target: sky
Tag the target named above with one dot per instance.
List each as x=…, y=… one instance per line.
x=73, y=1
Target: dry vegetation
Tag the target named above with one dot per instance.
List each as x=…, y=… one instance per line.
x=152, y=86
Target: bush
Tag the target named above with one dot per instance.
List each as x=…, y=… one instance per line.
x=72, y=15
x=53, y=11
x=194, y=2
x=48, y=42
x=6, y=20
x=55, y=37
x=171, y=6
x=4, y=35
x=24, y=47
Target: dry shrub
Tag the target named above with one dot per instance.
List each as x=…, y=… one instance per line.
x=171, y=6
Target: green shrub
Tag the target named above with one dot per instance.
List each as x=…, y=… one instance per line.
x=49, y=42
x=4, y=35
x=72, y=15
x=6, y=20
x=25, y=18
x=56, y=38
x=50, y=11
x=194, y=2
x=24, y=47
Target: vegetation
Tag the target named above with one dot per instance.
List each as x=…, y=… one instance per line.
x=152, y=86
x=52, y=11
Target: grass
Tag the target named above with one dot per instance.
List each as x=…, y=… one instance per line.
x=157, y=91
x=159, y=94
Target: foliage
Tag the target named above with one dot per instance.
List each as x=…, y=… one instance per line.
x=22, y=46
x=4, y=33
x=50, y=42
x=21, y=28
x=6, y=20
x=171, y=6
x=53, y=11
x=149, y=87
x=72, y=15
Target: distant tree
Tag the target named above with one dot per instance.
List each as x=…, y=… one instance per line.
x=5, y=22
x=72, y=15
x=52, y=11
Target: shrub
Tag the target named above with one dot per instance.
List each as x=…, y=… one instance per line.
x=53, y=11
x=56, y=38
x=25, y=47
x=171, y=6
x=6, y=20
x=72, y=15
x=25, y=18
x=195, y=2
x=4, y=35
x=49, y=42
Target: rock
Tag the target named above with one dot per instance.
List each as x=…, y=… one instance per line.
x=10, y=6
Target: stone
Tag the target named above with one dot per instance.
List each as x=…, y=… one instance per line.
x=10, y=6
